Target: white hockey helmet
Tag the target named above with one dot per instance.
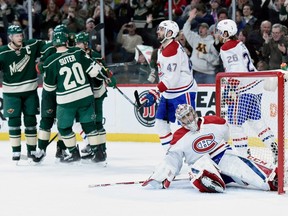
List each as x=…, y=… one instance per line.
x=169, y=25
x=187, y=117
x=227, y=28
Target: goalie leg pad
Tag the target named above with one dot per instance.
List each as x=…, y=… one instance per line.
x=205, y=176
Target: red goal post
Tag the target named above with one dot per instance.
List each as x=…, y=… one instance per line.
x=274, y=111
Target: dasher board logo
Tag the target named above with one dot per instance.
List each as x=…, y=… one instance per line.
x=146, y=115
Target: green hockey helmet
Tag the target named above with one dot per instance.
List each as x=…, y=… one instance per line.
x=14, y=29
x=82, y=37
x=59, y=39
x=61, y=28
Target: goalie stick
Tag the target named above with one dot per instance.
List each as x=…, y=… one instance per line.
x=125, y=183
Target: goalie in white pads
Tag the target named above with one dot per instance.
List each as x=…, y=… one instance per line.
x=202, y=142
x=243, y=96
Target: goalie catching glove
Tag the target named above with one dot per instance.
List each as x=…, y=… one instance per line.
x=161, y=177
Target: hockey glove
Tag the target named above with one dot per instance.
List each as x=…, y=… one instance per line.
x=151, y=97
x=161, y=177
x=111, y=82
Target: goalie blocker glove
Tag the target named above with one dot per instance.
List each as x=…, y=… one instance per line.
x=151, y=97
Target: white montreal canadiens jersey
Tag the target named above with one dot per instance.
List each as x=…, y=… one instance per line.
x=175, y=70
x=236, y=58
x=212, y=137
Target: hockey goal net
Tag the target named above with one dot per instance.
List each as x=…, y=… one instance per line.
x=271, y=90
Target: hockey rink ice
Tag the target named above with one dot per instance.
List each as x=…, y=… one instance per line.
x=54, y=189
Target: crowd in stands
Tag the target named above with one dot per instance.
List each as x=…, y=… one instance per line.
x=262, y=26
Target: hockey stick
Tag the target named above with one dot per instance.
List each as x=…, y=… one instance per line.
x=53, y=138
x=136, y=95
x=127, y=97
x=125, y=183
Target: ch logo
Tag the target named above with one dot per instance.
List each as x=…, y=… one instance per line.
x=146, y=115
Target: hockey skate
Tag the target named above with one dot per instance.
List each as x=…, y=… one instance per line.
x=72, y=157
x=16, y=156
x=39, y=155
x=87, y=149
x=60, y=153
x=36, y=156
x=99, y=155
x=87, y=152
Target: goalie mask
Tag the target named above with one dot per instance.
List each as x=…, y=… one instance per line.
x=187, y=117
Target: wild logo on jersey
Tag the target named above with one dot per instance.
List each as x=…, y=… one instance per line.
x=14, y=68
x=146, y=115
x=204, y=143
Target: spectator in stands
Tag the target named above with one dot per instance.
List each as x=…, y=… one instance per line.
x=239, y=6
x=94, y=37
x=141, y=10
x=214, y=8
x=248, y=18
x=202, y=16
x=148, y=33
x=50, y=18
x=110, y=29
x=185, y=14
x=204, y=56
x=128, y=41
x=6, y=17
x=182, y=40
x=177, y=9
x=262, y=65
x=275, y=47
x=123, y=13
x=221, y=14
x=73, y=22
x=239, y=21
x=255, y=38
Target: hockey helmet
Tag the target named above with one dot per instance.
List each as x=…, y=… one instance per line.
x=14, y=29
x=169, y=25
x=82, y=37
x=187, y=117
x=61, y=28
x=59, y=39
x=227, y=28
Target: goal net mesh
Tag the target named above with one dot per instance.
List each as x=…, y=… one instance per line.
x=255, y=106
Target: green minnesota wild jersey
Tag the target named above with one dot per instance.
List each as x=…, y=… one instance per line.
x=18, y=67
x=99, y=87
x=47, y=50
x=67, y=73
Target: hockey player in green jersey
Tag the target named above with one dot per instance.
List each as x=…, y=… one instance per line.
x=67, y=71
x=48, y=103
x=99, y=92
x=17, y=61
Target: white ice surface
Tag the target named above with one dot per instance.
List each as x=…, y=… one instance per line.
x=55, y=189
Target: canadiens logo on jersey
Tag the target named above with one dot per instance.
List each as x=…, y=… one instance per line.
x=14, y=68
x=146, y=115
x=204, y=143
